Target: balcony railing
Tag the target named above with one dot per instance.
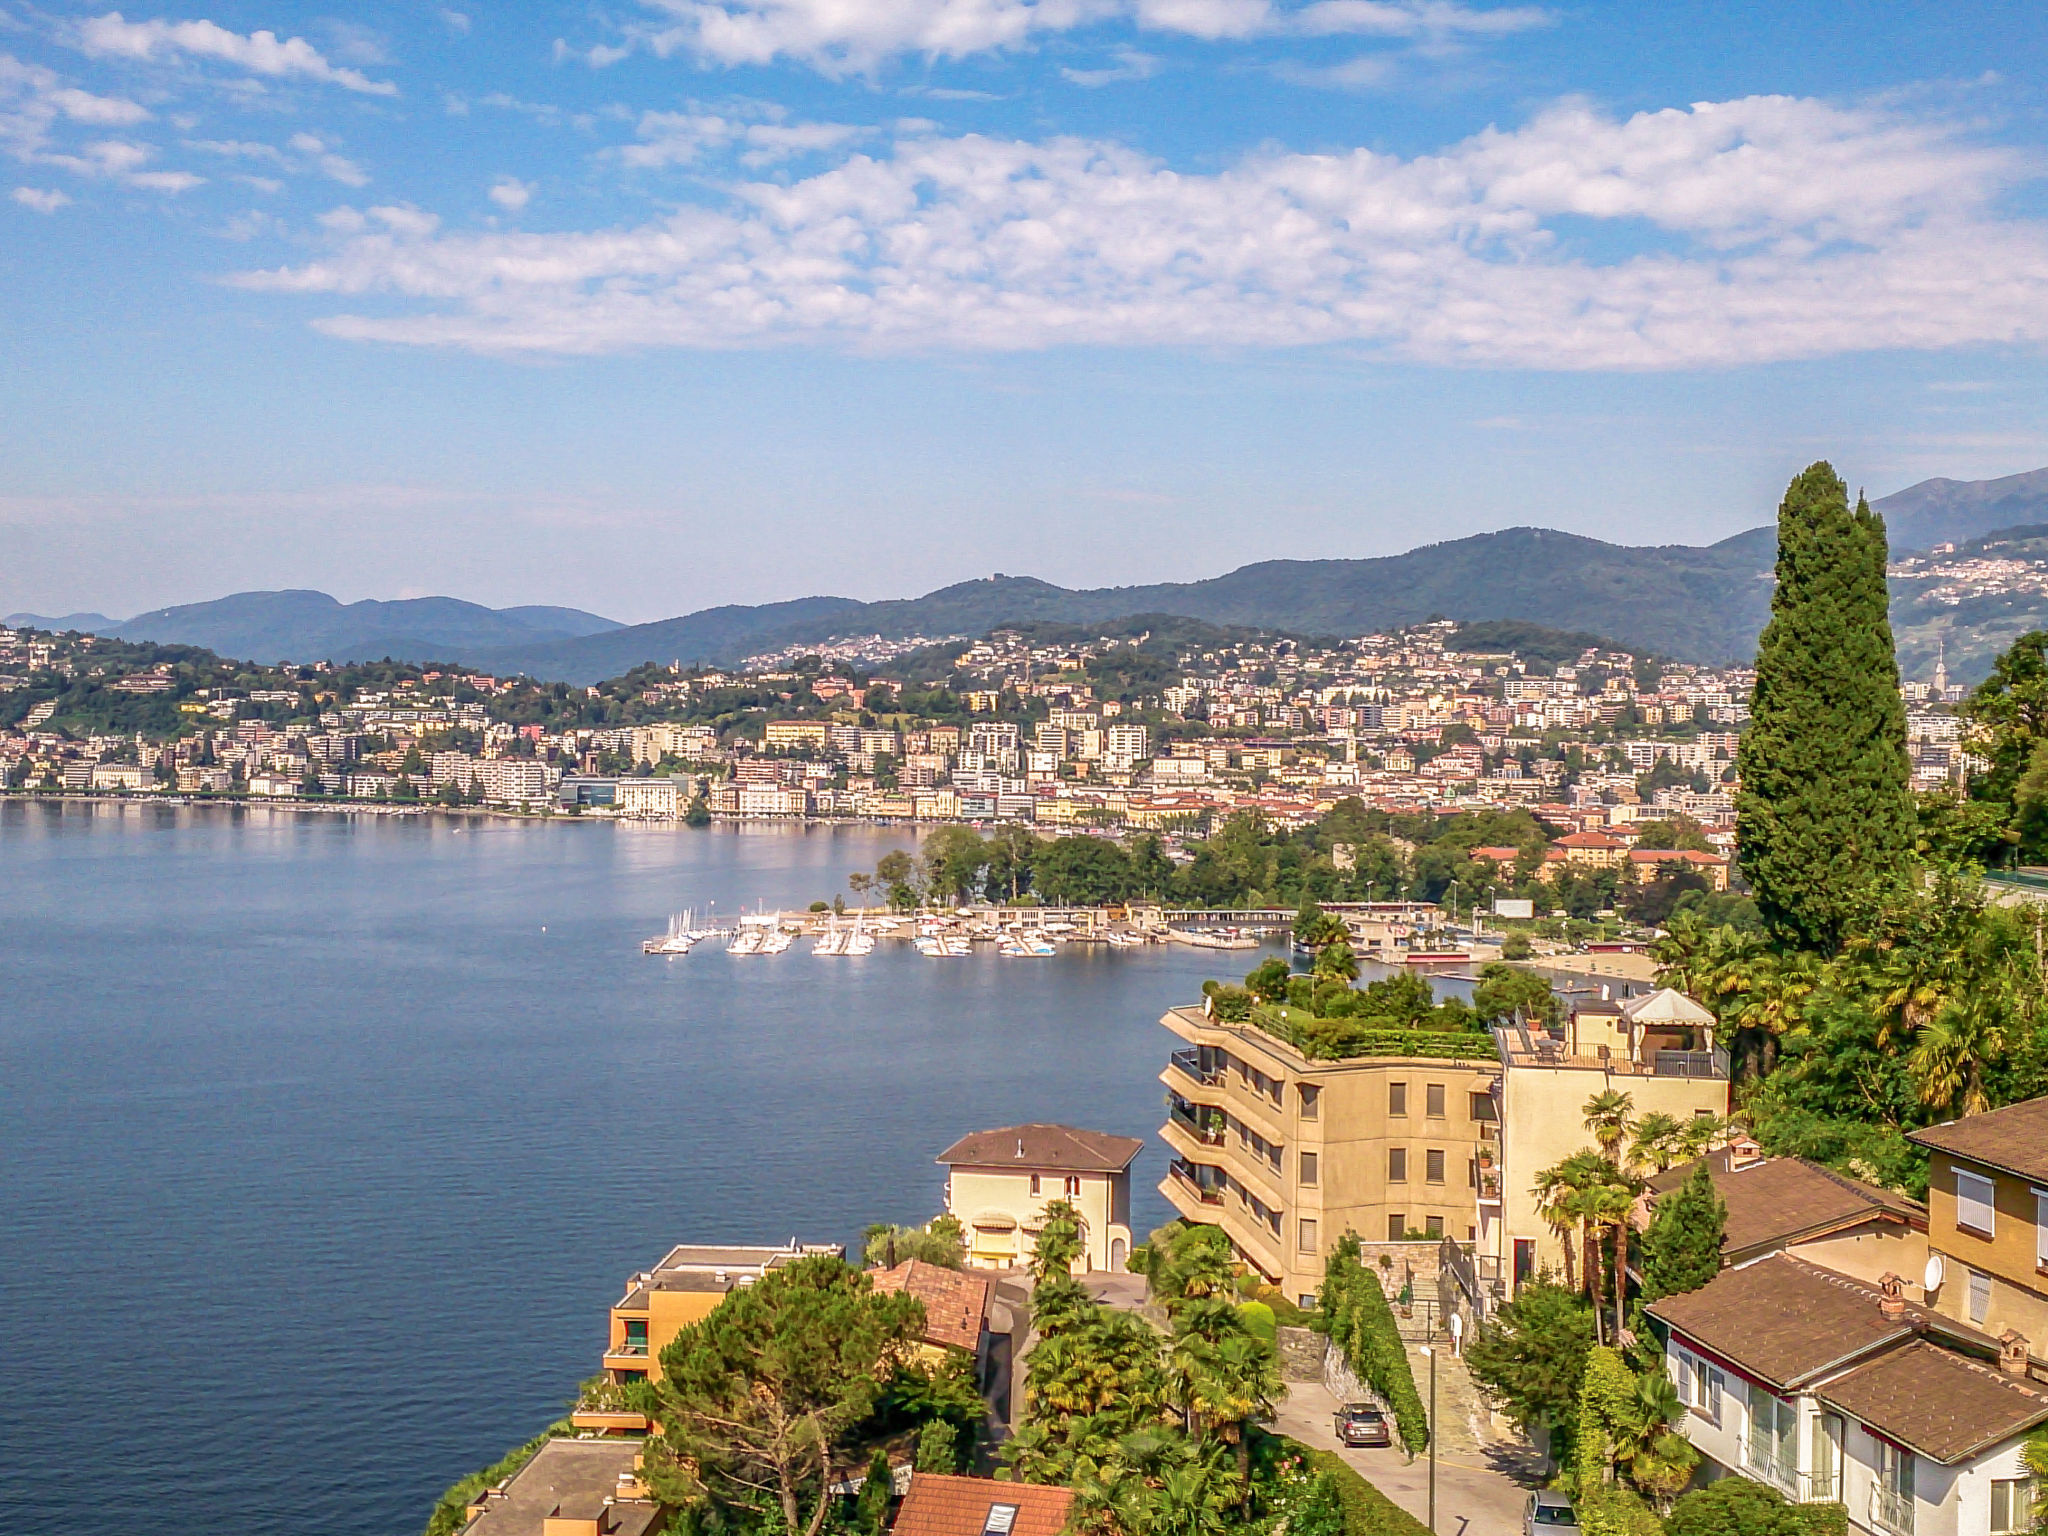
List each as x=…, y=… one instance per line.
x=1708, y=1064
x=1208, y=1135
x=1767, y=1468
x=1190, y=1063
x=1489, y=1185
x=1891, y=1511
x=629, y=1347
x=1207, y=1194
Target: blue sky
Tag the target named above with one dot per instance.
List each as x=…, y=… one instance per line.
x=645, y=305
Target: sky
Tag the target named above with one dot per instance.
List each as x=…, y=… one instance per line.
x=649, y=305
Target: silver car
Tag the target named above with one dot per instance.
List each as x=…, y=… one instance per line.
x=1549, y=1514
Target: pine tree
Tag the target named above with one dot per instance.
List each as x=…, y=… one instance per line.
x=1682, y=1249
x=1825, y=807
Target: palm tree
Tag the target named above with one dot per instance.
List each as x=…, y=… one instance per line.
x=1610, y=1116
x=1336, y=962
x=1059, y=1241
x=1554, y=1203
x=1948, y=1060
x=1609, y=1207
x=1658, y=1143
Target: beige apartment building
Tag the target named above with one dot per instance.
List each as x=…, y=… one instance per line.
x=1658, y=1049
x=1286, y=1154
x=999, y=1183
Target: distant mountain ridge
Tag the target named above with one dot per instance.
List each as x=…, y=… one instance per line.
x=1683, y=601
x=273, y=627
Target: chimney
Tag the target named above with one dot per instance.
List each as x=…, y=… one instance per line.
x=1744, y=1151
x=1020, y=1146
x=2012, y=1353
x=1893, y=1306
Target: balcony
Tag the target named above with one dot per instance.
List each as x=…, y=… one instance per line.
x=1489, y=1186
x=1184, y=1119
x=1891, y=1511
x=1708, y=1064
x=1181, y=1175
x=1189, y=1065
x=626, y=1356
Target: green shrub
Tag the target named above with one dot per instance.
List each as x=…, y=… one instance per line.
x=1353, y=1310
x=1259, y=1321
x=1367, y=1511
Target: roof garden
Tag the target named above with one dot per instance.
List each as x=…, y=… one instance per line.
x=1332, y=1039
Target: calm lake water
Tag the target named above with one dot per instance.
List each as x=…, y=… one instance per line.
x=326, y=1141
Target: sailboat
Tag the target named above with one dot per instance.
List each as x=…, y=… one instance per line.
x=832, y=941
x=676, y=941
x=860, y=941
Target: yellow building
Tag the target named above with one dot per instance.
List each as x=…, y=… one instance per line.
x=1286, y=1154
x=999, y=1182
x=1658, y=1049
x=1987, y=1222
x=661, y=1302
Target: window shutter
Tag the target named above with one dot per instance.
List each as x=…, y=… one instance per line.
x=1973, y=1203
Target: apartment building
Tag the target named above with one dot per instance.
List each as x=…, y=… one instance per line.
x=999, y=1182
x=682, y=1289
x=1286, y=1154
x=1658, y=1049
x=1834, y=1391
x=1987, y=1220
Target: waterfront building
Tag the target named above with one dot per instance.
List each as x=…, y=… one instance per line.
x=1834, y=1391
x=661, y=1302
x=570, y=1488
x=999, y=1182
x=1987, y=1219
x=1286, y=1153
x=659, y=798
x=1658, y=1049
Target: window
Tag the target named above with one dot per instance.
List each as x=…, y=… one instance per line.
x=1891, y=1501
x=1397, y=1227
x=1525, y=1261
x=1073, y=1186
x=1306, y=1238
x=1768, y=1451
x=1482, y=1107
x=1974, y=1210
x=1397, y=1098
x=1001, y=1517
x=1035, y=1186
x=1433, y=1225
x=1308, y=1168
x=1308, y=1303
x=1699, y=1384
x=1826, y=1470
x=2012, y=1501
x=2041, y=1230
x=1433, y=1165
x=1311, y=1101
x=1397, y=1165
x=636, y=1335
x=1433, y=1101
x=1980, y=1297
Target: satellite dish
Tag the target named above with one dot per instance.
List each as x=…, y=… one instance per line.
x=1936, y=1272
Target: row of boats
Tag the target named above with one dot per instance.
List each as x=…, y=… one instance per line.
x=767, y=936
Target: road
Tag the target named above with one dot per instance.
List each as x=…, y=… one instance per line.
x=1480, y=1495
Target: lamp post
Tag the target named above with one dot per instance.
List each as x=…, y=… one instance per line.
x=1430, y=1350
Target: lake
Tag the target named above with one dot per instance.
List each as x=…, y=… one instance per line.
x=329, y=1139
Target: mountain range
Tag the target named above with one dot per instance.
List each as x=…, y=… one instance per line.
x=1683, y=601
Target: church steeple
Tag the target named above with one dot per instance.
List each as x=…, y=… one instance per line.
x=1940, y=669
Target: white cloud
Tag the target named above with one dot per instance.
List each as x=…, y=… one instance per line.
x=41, y=199
x=510, y=193
x=1130, y=65
x=259, y=53
x=305, y=152
x=456, y=22
x=856, y=36
x=684, y=138
x=34, y=102
x=1761, y=229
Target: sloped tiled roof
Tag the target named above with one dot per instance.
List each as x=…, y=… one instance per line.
x=1044, y=1146
x=1785, y=1321
x=1783, y=1199
x=1942, y=1405
x=955, y=1302
x=2012, y=1140
x=959, y=1506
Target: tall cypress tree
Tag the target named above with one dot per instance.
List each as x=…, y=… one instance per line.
x=1682, y=1249
x=1825, y=806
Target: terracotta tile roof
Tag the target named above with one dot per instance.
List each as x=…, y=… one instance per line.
x=1781, y=1200
x=1942, y=1405
x=2012, y=1140
x=1044, y=1146
x=1785, y=1321
x=961, y=1506
x=955, y=1302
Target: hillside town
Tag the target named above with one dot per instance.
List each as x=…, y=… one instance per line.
x=1108, y=734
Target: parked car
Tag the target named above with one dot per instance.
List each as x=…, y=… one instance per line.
x=1549, y=1514
x=1362, y=1424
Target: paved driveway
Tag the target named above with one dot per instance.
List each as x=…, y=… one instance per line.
x=1478, y=1495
